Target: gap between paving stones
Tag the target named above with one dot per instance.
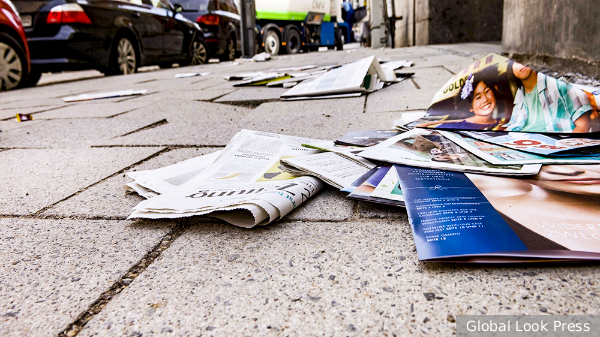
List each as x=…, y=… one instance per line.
x=74, y=328
x=147, y=127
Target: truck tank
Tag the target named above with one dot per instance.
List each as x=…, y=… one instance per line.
x=291, y=10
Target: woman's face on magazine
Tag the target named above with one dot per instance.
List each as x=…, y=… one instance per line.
x=578, y=179
x=521, y=72
x=484, y=101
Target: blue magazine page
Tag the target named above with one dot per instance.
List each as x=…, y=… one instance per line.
x=450, y=217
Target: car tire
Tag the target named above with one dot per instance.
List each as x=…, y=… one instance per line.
x=272, y=42
x=32, y=79
x=340, y=39
x=198, y=53
x=229, y=52
x=13, y=63
x=293, y=41
x=124, y=57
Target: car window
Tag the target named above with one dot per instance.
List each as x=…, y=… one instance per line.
x=193, y=5
x=232, y=7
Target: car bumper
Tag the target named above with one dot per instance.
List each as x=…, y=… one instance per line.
x=71, y=48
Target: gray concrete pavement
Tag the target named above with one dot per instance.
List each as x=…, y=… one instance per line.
x=70, y=261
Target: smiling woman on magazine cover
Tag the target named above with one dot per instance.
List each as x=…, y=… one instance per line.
x=560, y=205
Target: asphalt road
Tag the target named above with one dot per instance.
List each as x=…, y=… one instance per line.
x=70, y=261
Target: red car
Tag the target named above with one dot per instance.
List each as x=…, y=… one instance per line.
x=15, y=63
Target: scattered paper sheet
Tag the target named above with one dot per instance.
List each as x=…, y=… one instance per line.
x=185, y=75
x=88, y=97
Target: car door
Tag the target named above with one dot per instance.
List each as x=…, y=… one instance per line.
x=173, y=36
x=148, y=26
x=229, y=19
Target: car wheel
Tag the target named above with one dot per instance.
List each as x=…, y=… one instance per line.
x=124, y=57
x=32, y=79
x=292, y=41
x=198, y=53
x=339, y=39
x=13, y=63
x=229, y=53
x=272, y=43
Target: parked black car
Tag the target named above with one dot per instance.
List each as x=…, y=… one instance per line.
x=220, y=22
x=113, y=36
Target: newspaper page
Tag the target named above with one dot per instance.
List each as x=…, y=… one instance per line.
x=498, y=94
x=500, y=155
x=348, y=78
x=349, y=152
x=167, y=178
x=245, y=186
x=332, y=168
x=429, y=149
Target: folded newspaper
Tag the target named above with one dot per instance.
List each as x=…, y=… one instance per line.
x=245, y=185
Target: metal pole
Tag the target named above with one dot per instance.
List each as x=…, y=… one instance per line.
x=248, y=25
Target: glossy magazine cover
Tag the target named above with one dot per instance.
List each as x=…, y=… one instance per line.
x=554, y=215
x=497, y=94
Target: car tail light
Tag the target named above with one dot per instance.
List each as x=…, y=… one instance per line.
x=67, y=13
x=209, y=20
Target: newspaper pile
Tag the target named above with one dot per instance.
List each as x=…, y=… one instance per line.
x=330, y=81
x=243, y=185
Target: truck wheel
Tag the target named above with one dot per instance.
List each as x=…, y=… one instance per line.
x=292, y=41
x=272, y=43
x=340, y=39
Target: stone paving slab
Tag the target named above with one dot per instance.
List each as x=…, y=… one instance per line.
x=329, y=205
x=189, y=95
x=246, y=94
x=51, y=271
x=12, y=124
x=399, y=97
x=97, y=110
x=108, y=199
x=189, y=123
x=41, y=177
x=67, y=133
x=347, y=278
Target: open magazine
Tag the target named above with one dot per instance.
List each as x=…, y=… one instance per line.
x=536, y=143
x=479, y=218
x=495, y=93
x=429, y=149
x=500, y=155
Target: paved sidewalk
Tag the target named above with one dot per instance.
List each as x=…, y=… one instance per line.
x=71, y=263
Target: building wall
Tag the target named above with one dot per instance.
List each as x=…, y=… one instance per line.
x=567, y=29
x=454, y=21
x=448, y=21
